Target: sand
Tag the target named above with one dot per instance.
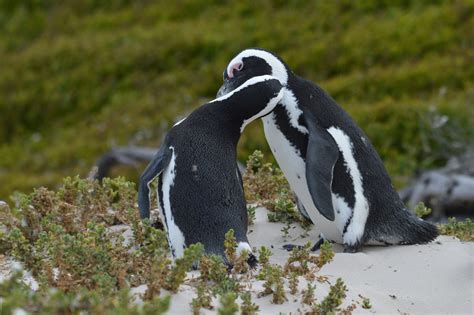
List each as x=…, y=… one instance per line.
x=416, y=279
x=437, y=278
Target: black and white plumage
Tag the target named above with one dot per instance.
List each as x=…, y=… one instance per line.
x=200, y=190
x=329, y=162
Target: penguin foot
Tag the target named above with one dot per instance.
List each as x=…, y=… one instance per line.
x=351, y=248
x=158, y=225
x=252, y=261
x=316, y=246
x=290, y=247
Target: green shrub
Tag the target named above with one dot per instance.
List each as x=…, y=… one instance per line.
x=464, y=230
x=79, y=77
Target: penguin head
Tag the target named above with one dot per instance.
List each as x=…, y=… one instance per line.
x=251, y=63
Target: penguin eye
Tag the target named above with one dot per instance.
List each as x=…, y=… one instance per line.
x=238, y=66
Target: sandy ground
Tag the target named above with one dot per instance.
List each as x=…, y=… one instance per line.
x=437, y=278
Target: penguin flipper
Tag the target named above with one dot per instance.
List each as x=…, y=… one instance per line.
x=321, y=156
x=153, y=170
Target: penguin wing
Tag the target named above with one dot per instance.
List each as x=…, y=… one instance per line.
x=321, y=156
x=153, y=170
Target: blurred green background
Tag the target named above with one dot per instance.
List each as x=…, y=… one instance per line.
x=79, y=77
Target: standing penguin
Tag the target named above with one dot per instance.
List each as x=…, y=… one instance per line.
x=328, y=161
x=200, y=189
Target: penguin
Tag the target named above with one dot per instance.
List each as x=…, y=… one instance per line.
x=340, y=181
x=200, y=189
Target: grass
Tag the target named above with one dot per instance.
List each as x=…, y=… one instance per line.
x=79, y=77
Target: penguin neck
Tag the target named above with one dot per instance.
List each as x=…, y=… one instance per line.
x=226, y=119
x=236, y=117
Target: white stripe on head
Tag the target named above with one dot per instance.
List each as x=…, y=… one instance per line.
x=244, y=85
x=278, y=68
x=355, y=229
x=280, y=72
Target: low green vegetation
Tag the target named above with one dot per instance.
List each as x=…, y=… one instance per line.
x=74, y=243
x=266, y=186
x=464, y=230
x=77, y=77
x=422, y=210
x=366, y=303
x=16, y=295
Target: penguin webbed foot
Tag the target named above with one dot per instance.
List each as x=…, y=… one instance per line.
x=290, y=247
x=316, y=246
x=158, y=225
x=354, y=248
x=252, y=261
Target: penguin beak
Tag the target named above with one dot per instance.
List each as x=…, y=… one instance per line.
x=223, y=90
x=231, y=84
x=227, y=87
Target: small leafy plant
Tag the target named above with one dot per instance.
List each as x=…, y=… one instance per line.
x=87, y=248
x=274, y=284
x=267, y=186
x=421, y=210
x=333, y=300
x=248, y=307
x=251, y=213
x=308, y=294
x=365, y=302
x=227, y=304
x=462, y=230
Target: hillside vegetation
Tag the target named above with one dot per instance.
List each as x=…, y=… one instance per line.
x=77, y=77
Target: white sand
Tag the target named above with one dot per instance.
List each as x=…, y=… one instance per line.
x=418, y=279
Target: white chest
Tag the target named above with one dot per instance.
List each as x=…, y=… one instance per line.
x=294, y=167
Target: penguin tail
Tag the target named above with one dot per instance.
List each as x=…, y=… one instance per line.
x=404, y=228
x=419, y=231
